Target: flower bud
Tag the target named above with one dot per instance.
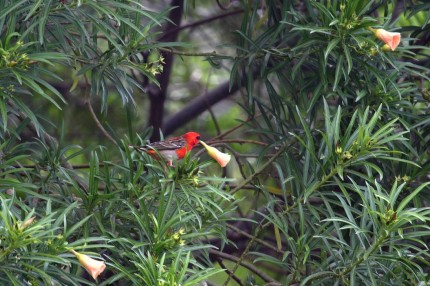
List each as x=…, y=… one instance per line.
x=25, y=224
x=94, y=267
x=389, y=38
x=386, y=48
x=338, y=149
x=346, y=155
x=220, y=157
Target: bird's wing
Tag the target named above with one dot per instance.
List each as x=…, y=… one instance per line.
x=170, y=144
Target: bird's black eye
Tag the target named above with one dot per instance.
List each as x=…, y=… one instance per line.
x=198, y=137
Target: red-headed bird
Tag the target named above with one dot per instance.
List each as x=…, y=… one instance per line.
x=171, y=149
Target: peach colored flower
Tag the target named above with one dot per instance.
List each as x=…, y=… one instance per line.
x=390, y=38
x=220, y=157
x=94, y=267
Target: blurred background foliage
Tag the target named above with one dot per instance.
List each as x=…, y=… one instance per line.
x=328, y=132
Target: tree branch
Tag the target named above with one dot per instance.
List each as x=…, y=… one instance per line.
x=197, y=106
x=157, y=95
x=235, y=278
x=200, y=22
x=261, y=169
x=245, y=264
x=260, y=241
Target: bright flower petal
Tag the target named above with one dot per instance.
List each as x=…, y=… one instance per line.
x=390, y=38
x=94, y=267
x=220, y=157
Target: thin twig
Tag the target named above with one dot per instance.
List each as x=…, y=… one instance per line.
x=253, y=155
x=228, y=132
x=99, y=125
x=244, y=253
x=93, y=114
x=262, y=242
x=240, y=141
x=261, y=169
x=221, y=6
x=245, y=264
x=212, y=114
x=235, y=278
x=189, y=54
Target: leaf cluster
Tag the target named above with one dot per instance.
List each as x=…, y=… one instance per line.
x=334, y=193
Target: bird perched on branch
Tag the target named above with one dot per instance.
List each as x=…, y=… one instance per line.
x=171, y=149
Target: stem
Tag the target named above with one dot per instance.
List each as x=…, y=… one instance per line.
x=176, y=52
x=260, y=241
x=377, y=243
x=239, y=261
x=200, y=22
x=158, y=95
x=235, y=278
x=93, y=114
x=262, y=168
x=242, y=256
x=302, y=199
x=240, y=141
x=99, y=125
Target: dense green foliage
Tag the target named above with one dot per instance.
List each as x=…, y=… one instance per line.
x=328, y=184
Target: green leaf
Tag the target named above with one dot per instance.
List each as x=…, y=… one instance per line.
x=411, y=196
x=339, y=69
x=332, y=44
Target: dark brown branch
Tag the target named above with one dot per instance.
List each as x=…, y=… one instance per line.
x=157, y=95
x=201, y=103
x=197, y=106
x=201, y=22
x=231, y=130
x=214, y=118
x=398, y=9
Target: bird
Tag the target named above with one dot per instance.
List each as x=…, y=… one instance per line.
x=171, y=149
